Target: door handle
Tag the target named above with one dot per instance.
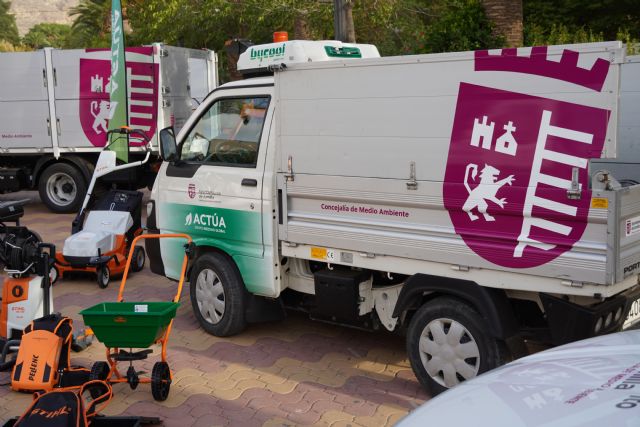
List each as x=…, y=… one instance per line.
x=249, y=182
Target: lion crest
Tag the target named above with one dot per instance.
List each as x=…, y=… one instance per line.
x=486, y=189
x=101, y=113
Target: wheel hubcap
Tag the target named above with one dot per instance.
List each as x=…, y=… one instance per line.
x=210, y=296
x=61, y=189
x=449, y=352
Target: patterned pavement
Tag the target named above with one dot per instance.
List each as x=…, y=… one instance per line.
x=294, y=372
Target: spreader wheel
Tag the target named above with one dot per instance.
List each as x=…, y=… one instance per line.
x=103, y=276
x=160, y=381
x=132, y=378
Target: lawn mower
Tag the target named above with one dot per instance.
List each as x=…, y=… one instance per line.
x=103, y=230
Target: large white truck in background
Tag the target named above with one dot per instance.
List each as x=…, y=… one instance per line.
x=54, y=111
x=456, y=198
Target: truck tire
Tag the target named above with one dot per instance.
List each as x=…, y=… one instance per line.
x=448, y=342
x=218, y=295
x=62, y=188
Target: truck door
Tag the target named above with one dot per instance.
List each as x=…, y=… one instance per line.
x=214, y=192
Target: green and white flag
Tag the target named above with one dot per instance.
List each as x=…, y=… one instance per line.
x=118, y=94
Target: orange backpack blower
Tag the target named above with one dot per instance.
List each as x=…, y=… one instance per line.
x=43, y=361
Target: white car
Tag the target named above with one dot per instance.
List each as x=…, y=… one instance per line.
x=593, y=382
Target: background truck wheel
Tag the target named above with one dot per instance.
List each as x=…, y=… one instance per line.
x=62, y=188
x=217, y=295
x=448, y=342
x=139, y=258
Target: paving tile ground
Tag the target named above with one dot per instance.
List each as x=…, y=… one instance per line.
x=289, y=373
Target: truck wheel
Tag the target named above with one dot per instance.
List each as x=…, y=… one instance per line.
x=448, y=342
x=62, y=188
x=217, y=295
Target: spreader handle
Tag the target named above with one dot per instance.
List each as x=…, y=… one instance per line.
x=155, y=236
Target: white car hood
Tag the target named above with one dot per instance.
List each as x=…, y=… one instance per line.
x=593, y=382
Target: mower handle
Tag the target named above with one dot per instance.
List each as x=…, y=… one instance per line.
x=50, y=246
x=123, y=131
x=126, y=130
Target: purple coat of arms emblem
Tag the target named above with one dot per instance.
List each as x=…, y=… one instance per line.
x=142, y=82
x=509, y=169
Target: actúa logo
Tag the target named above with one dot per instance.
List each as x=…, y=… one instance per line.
x=205, y=220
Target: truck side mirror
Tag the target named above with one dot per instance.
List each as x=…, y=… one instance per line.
x=168, y=147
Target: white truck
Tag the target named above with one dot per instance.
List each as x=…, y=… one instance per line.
x=54, y=111
x=451, y=197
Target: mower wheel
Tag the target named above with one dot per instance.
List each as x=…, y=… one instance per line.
x=139, y=258
x=99, y=371
x=103, y=275
x=160, y=381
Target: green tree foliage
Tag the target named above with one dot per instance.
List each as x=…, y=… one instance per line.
x=47, y=35
x=460, y=25
x=209, y=23
x=604, y=17
x=8, y=28
x=538, y=35
x=576, y=21
x=395, y=26
x=92, y=24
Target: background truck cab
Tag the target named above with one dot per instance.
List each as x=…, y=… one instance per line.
x=450, y=197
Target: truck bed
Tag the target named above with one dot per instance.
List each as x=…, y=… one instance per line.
x=373, y=157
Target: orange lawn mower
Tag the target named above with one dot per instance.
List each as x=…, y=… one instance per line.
x=103, y=230
x=136, y=325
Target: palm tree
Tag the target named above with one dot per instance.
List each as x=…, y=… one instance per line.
x=506, y=15
x=93, y=19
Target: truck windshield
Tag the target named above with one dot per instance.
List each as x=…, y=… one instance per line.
x=228, y=133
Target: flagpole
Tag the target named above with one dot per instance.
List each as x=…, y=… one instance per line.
x=118, y=99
